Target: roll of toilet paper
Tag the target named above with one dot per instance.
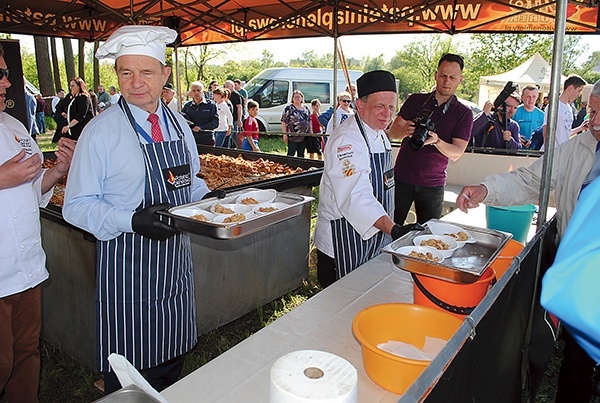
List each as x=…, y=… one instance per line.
x=313, y=376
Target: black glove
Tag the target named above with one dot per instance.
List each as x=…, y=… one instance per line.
x=145, y=222
x=219, y=194
x=401, y=230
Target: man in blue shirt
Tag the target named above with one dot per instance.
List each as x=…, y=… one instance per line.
x=528, y=116
x=132, y=160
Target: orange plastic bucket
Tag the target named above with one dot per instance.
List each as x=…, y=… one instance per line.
x=401, y=322
x=459, y=299
x=506, y=256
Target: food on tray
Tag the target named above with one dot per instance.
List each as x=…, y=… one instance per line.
x=235, y=218
x=426, y=256
x=199, y=217
x=218, y=169
x=266, y=209
x=222, y=209
x=249, y=200
x=58, y=198
x=435, y=243
x=459, y=236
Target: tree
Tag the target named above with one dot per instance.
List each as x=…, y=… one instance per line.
x=81, y=59
x=96, y=67
x=497, y=53
x=373, y=63
x=573, y=49
x=55, y=65
x=69, y=59
x=590, y=71
x=418, y=61
x=42, y=57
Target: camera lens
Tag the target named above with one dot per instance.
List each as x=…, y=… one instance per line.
x=418, y=138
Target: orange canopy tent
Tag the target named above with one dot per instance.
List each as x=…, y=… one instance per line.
x=219, y=21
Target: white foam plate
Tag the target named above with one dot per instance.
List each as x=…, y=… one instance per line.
x=237, y=208
x=406, y=250
x=448, y=240
x=190, y=211
x=261, y=196
x=276, y=205
x=439, y=228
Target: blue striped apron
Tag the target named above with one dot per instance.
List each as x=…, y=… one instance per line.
x=145, y=302
x=350, y=250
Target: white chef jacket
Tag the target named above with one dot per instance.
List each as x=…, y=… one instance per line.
x=22, y=259
x=345, y=189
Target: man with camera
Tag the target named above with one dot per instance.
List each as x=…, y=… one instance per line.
x=436, y=127
x=494, y=127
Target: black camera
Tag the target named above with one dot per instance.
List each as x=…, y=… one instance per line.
x=423, y=125
x=508, y=89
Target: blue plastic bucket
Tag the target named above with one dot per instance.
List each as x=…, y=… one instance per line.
x=513, y=219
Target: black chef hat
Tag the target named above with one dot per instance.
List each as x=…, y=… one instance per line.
x=375, y=81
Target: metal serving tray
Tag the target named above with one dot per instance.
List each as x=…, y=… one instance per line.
x=296, y=205
x=464, y=266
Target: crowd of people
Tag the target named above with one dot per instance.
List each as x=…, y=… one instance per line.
x=125, y=142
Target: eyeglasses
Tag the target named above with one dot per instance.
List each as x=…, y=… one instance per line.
x=346, y=101
x=3, y=73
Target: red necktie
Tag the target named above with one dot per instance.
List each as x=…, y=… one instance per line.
x=156, y=132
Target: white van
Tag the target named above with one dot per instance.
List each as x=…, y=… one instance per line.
x=272, y=89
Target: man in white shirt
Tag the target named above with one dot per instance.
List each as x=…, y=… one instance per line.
x=168, y=97
x=356, y=197
x=573, y=87
x=114, y=95
x=56, y=99
x=24, y=188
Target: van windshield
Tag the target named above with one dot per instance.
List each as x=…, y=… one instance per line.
x=268, y=93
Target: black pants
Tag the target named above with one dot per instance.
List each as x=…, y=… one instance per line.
x=160, y=377
x=296, y=148
x=576, y=378
x=326, y=273
x=428, y=202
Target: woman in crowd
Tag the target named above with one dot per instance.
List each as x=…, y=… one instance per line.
x=343, y=111
x=296, y=119
x=78, y=111
x=223, y=131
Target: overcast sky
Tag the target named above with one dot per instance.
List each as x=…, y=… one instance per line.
x=354, y=46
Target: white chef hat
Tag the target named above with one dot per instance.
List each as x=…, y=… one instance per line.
x=146, y=40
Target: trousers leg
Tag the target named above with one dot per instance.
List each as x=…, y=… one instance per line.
x=166, y=374
x=326, y=273
x=576, y=377
x=24, y=310
x=429, y=202
x=404, y=195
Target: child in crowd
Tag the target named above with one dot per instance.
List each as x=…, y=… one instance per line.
x=250, y=134
x=314, y=144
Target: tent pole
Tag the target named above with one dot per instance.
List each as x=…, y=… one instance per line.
x=335, y=64
x=555, y=87
x=177, y=80
x=555, y=84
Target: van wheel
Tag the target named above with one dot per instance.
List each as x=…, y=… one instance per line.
x=261, y=126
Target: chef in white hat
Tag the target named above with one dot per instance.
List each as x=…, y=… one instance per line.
x=132, y=161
